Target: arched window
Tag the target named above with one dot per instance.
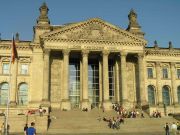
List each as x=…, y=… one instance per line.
x=151, y=95
x=4, y=93
x=166, y=96
x=178, y=94
x=23, y=94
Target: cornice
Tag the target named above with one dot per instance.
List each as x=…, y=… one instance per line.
x=95, y=41
x=162, y=52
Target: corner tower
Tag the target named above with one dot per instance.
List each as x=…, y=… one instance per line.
x=133, y=26
x=43, y=23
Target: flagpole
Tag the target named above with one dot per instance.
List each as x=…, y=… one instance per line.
x=10, y=82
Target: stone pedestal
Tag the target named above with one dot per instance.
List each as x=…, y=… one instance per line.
x=12, y=104
x=107, y=105
x=85, y=104
x=45, y=103
x=65, y=105
x=126, y=104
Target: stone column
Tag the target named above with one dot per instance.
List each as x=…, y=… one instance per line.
x=158, y=84
x=106, y=101
x=85, y=99
x=100, y=84
x=173, y=84
x=142, y=101
x=13, y=88
x=45, y=98
x=65, y=103
x=117, y=99
x=123, y=79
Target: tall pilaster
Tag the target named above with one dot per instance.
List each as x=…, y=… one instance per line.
x=143, y=100
x=65, y=103
x=45, y=98
x=106, y=101
x=13, y=90
x=158, y=83
x=173, y=84
x=123, y=79
x=85, y=100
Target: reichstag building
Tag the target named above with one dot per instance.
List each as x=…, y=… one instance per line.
x=88, y=64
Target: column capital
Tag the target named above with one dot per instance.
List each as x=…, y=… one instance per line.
x=66, y=51
x=85, y=53
x=158, y=64
x=47, y=51
x=140, y=55
x=105, y=52
x=172, y=64
x=123, y=53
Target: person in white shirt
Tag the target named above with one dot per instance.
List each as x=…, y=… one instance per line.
x=174, y=128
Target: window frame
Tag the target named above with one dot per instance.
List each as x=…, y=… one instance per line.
x=150, y=76
x=165, y=75
x=21, y=69
x=7, y=70
x=178, y=71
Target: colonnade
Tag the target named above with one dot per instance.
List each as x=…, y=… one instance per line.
x=65, y=103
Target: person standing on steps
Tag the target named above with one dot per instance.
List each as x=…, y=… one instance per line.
x=166, y=127
x=25, y=129
x=174, y=128
x=31, y=130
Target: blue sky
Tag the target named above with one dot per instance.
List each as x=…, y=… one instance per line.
x=159, y=19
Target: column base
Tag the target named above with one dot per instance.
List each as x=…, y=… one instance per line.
x=126, y=104
x=144, y=103
x=176, y=104
x=85, y=104
x=12, y=103
x=160, y=104
x=65, y=105
x=45, y=103
x=107, y=105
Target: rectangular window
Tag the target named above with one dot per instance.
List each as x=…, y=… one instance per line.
x=165, y=73
x=24, y=69
x=5, y=68
x=150, y=72
x=178, y=73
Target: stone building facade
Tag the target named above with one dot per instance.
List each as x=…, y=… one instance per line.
x=90, y=64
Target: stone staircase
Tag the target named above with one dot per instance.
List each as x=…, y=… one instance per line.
x=78, y=122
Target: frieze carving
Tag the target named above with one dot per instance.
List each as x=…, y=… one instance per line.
x=95, y=32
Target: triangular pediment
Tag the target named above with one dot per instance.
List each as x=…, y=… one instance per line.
x=93, y=29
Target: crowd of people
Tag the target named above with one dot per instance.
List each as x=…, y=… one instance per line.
x=114, y=123
x=127, y=113
x=156, y=114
